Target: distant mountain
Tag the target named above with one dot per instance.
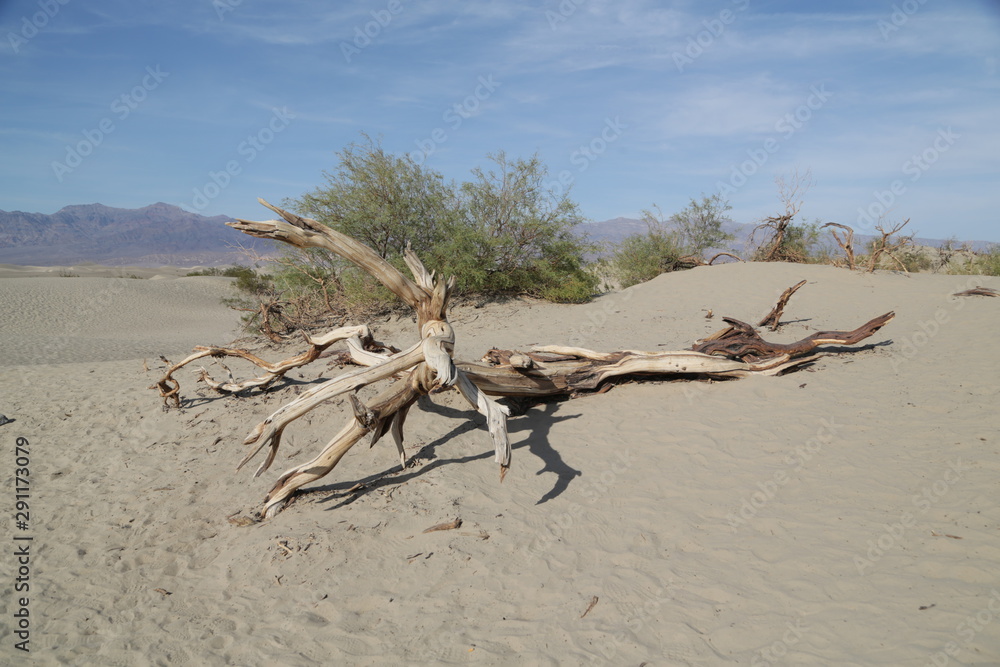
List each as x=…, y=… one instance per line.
x=611, y=232
x=156, y=235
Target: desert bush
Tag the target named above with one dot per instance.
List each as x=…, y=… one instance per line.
x=887, y=248
x=979, y=264
x=697, y=227
x=642, y=257
x=914, y=260
x=784, y=240
x=235, y=271
x=383, y=200
x=515, y=238
x=501, y=233
x=210, y=271
x=796, y=243
x=687, y=234
x=989, y=262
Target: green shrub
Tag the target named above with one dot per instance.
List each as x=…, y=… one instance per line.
x=979, y=264
x=501, y=233
x=642, y=257
x=250, y=281
x=989, y=262
x=792, y=243
x=235, y=271
x=915, y=260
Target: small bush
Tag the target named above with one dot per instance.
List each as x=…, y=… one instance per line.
x=234, y=271
x=250, y=281
x=794, y=243
x=980, y=264
x=642, y=257
x=915, y=260
x=500, y=234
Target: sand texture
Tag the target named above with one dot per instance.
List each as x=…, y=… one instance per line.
x=844, y=514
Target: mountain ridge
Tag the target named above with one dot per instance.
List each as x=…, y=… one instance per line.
x=157, y=234
x=162, y=234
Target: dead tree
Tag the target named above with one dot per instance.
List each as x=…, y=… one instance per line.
x=428, y=367
x=889, y=246
x=846, y=242
x=775, y=247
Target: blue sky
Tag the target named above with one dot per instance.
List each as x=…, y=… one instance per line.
x=210, y=104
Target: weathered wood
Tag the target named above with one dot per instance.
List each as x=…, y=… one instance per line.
x=746, y=344
x=428, y=366
x=384, y=406
x=773, y=318
x=170, y=388
x=889, y=246
x=846, y=242
x=307, y=233
x=978, y=291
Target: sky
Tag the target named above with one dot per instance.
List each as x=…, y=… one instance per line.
x=892, y=107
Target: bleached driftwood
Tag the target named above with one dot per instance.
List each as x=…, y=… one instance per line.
x=427, y=366
x=356, y=336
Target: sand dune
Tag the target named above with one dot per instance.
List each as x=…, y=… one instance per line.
x=846, y=514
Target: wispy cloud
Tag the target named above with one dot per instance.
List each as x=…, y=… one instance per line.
x=564, y=67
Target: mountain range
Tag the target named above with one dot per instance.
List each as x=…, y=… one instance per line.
x=156, y=235
x=166, y=235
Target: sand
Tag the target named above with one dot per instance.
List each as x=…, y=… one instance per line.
x=845, y=514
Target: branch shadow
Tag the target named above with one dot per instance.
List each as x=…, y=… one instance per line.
x=537, y=423
x=282, y=384
x=852, y=350
x=786, y=322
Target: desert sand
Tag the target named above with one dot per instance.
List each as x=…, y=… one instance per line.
x=844, y=514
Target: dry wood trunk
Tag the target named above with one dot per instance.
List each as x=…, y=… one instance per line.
x=428, y=366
